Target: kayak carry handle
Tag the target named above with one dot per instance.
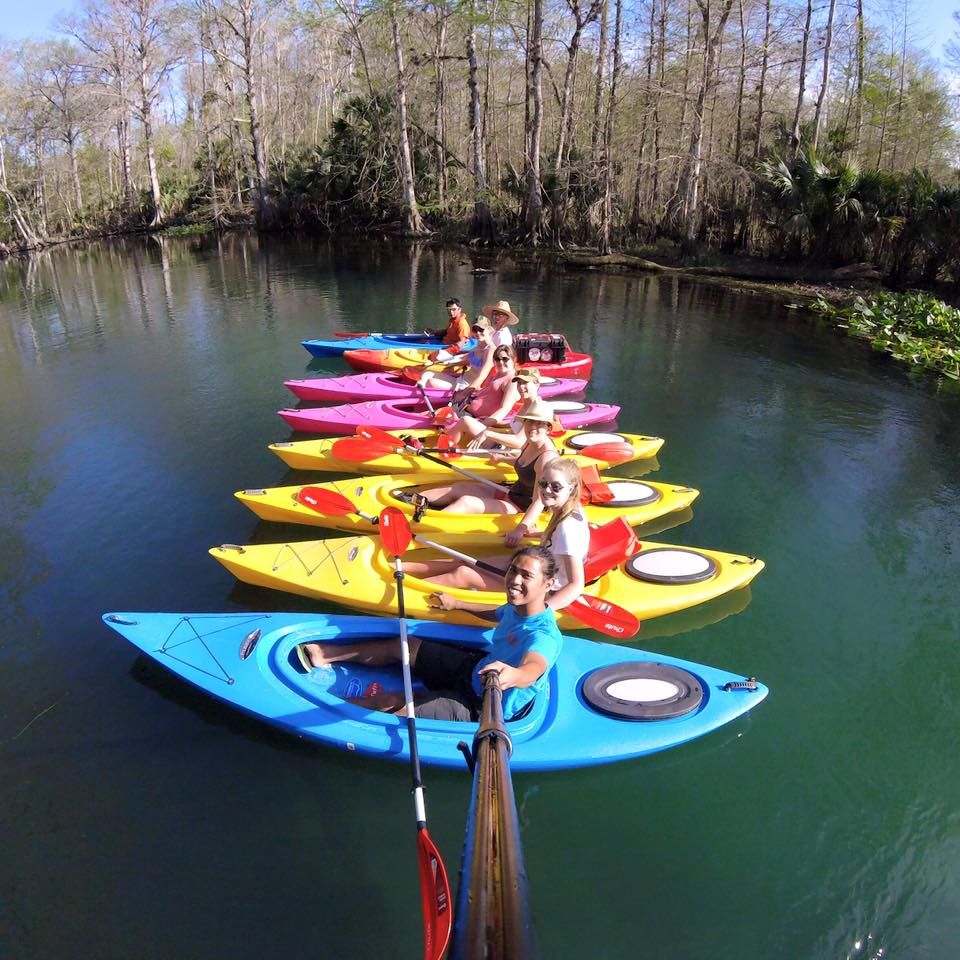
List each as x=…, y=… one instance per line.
x=749, y=684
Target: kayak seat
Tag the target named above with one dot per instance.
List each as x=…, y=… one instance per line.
x=610, y=545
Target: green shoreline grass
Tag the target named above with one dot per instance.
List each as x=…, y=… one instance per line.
x=915, y=328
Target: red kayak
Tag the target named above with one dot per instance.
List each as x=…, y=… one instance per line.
x=576, y=365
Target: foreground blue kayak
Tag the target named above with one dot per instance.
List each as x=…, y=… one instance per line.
x=375, y=341
x=605, y=702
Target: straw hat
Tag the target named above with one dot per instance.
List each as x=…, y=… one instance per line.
x=483, y=323
x=501, y=306
x=530, y=374
x=539, y=410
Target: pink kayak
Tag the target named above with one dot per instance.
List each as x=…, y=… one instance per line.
x=411, y=415
x=391, y=386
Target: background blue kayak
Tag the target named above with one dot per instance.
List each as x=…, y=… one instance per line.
x=375, y=341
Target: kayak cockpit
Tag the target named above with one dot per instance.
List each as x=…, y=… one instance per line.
x=330, y=689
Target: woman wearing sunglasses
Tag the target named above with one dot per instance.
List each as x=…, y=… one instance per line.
x=474, y=367
x=567, y=537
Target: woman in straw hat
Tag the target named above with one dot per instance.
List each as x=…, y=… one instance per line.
x=537, y=451
x=502, y=318
x=508, y=438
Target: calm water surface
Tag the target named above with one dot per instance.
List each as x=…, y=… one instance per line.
x=138, y=388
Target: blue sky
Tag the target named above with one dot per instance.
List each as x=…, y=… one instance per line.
x=24, y=18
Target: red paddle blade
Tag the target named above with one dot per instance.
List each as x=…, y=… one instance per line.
x=349, y=335
x=325, y=501
x=613, y=451
x=413, y=373
x=448, y=445
x=376, y=433
x=394, y=530
x=434, y=898
x=595, y=489
x=444, y=416
x=358, y=450
x=604, y=616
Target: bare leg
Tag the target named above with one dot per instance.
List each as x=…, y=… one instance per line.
x=453, y=573
x=439, y=381
x=466, y=430
x=441, y=497
x=374, y=653
x=478, y=503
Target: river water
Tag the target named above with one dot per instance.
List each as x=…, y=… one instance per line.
x=138, y=387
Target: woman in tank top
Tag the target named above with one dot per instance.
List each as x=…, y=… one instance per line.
x=471, y=496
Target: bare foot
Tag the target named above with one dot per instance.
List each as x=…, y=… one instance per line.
x=314, y=652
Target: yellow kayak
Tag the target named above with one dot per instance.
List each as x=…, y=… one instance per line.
x=355, y=572
x=636, y=501
x=317, y=454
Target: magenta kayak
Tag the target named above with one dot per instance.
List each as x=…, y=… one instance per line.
x=411, y=415
x=387, y=386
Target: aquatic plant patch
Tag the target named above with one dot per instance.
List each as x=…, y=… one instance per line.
x=916, y=328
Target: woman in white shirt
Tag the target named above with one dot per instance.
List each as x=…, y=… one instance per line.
x=567, y=533
x=567, y=536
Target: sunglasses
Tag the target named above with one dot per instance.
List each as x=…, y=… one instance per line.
x=554, y=486
x=503, y=359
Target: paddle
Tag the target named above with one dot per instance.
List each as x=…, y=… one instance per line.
x=434, y=887
x=358, y=450
x=444, y=416
x=375, y=433
x=426, y=400
x=609, y=451
x=590, y=611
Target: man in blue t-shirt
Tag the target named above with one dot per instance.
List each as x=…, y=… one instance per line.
x=525, y=645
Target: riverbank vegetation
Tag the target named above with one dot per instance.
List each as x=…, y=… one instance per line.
x=916, y=328
x=762, y=128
